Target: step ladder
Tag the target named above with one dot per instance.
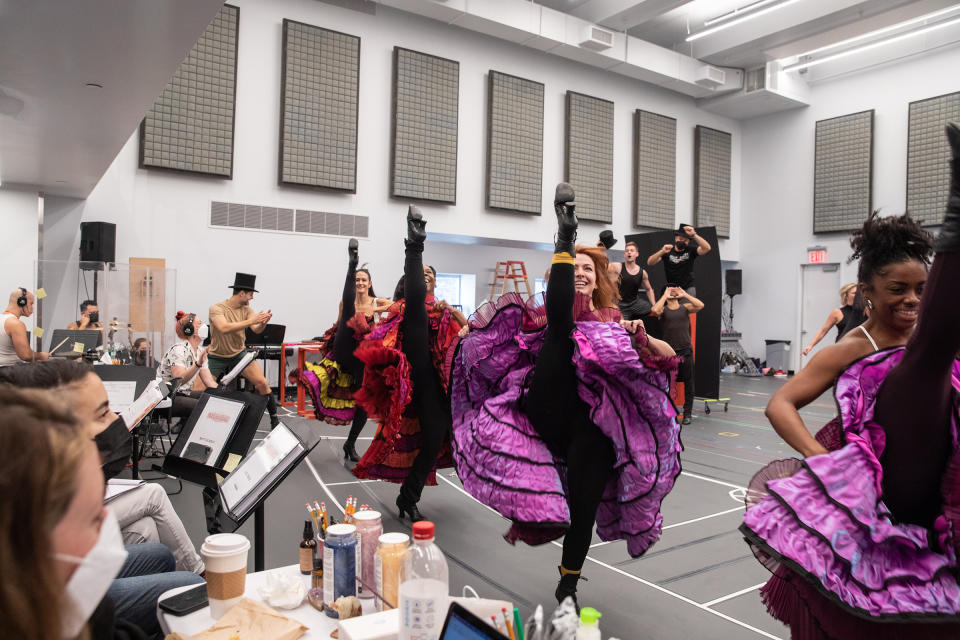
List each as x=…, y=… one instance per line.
x=510, y=270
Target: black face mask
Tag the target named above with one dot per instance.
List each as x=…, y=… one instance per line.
x=94, y=317
x=680, y=247
x=140, y=357
x=113, y=443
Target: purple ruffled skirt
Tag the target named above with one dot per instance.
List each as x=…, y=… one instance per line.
x=503, y=462
x=842, y=565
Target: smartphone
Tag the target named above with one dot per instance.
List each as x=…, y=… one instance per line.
x=186, y=602
x=197, y=452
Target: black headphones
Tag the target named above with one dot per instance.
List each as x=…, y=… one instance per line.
x=22, y=300
x=188, y=329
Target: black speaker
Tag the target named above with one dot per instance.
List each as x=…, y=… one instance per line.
x=734, y=282
x=98, y=242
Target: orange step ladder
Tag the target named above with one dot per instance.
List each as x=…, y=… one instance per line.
x=513, y=271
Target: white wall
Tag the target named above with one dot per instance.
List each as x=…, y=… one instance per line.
x=160, y=214
x=18, y=213
x=777, y=189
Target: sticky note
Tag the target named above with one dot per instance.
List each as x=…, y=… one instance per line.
x=232, y=461
x=37, y=332
x=78, y=347
x=40, y=293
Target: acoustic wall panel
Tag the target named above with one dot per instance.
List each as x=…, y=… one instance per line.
x=514, y=143
x=588, y=164
x=425, y=104
x=654, y=170
x=843, y=172
x=711, y=179
x=190, y=126
x=928, y=157
x=319, y=94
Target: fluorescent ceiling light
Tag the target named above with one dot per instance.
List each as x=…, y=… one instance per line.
x=873, y=45
x=736, y=21
x=883, y=30
x=736, y=12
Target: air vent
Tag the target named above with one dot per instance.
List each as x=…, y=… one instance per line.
x=710, y=77
x=596, y=39
x=755, y=80
x=256, y=217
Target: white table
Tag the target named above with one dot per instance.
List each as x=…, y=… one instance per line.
x=319, y=625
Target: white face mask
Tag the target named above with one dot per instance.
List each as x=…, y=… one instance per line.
x=93, y=576
x=203, y=332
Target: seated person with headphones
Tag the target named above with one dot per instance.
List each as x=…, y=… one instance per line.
x=14, y=344
x=187, y=360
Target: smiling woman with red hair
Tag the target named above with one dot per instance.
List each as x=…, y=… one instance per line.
x=561, y=416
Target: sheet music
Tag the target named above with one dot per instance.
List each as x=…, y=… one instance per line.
x=247, y=359
x=139, y=408
x=117, y=486
x=121, y=394
x=255, y=467
x=212, y=429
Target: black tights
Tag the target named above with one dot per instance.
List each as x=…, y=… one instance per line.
x=686, y=374
x=429, y=399
x=915, y=403
x=562, y=419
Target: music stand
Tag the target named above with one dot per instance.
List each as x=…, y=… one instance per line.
x=272, y=336
x=89, y=338
x=244, y=491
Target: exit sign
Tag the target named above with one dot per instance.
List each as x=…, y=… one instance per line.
x=817, y=256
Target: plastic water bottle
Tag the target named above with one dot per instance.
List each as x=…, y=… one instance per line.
x=424, y=587
x=589, y=628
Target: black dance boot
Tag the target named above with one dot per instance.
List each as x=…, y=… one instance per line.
x=272, y=410
x=353, y=250
x=416, y=229
x=566, y=219
x=568, y=586
x=405, y=506
x=948, y=240
x=350, y=451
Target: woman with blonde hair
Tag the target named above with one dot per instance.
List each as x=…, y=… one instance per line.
x=847, y=317
x=59, y=547
x=561, y=412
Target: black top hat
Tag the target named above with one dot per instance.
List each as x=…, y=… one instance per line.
x=245, y=281
x=606, y=237
x=680, y=231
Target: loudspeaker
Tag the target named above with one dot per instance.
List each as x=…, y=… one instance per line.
x=734, y=282
x=98, y=242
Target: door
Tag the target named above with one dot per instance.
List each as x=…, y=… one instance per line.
x=819, y=295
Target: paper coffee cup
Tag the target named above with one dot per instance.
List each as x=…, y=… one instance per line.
x=225, y=556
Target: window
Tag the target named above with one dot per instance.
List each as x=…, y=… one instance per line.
x=539, y=286
x=458, y=289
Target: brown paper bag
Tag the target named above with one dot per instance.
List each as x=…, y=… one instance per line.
x=249, y=619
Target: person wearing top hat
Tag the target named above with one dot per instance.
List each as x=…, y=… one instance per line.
x=228, y=324
x=606, y=240
x=678, y=258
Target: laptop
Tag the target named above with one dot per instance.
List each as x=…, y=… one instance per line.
x=461, y=624
x=272, y=336
x=65, y=339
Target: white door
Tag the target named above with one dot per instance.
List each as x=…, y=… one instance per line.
x=819, y=295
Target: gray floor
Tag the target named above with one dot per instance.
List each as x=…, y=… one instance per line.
x=699, y=581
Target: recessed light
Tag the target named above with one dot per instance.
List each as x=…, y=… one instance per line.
x=95, y=85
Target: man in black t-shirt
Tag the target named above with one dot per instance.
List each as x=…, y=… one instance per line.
x=678, y=257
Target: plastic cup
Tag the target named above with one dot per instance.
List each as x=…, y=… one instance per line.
x=225, y=556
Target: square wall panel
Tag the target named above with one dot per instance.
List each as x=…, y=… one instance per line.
x=843, y=172
x=711, y=180
x=426, y=93
x=514, y=143
x=654, y=170
x=190, y=126
x=588, y=165
x=928, y=157
x=319, y=94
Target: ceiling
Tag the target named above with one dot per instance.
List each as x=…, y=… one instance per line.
x=780, y=33
x=76, y=78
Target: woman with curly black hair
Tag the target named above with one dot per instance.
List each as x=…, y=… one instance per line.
x=862, y=535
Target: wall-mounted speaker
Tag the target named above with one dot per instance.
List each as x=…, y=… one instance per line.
x=734, y=282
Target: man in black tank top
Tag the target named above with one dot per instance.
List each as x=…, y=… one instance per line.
x=674, y=308
x=636, y=294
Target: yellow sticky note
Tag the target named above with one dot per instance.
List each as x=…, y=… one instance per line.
x=40, y=293
x=232, y=461
x=37, y=332
x=78, y=347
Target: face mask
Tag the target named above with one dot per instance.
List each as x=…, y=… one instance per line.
x=95, y=572
x=680, y=247
x=113, y=443
x=203, y=332
x=95, y=316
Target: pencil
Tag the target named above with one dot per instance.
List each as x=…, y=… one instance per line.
x=506, y=621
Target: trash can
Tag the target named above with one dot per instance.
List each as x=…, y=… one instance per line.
x=778, y=354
